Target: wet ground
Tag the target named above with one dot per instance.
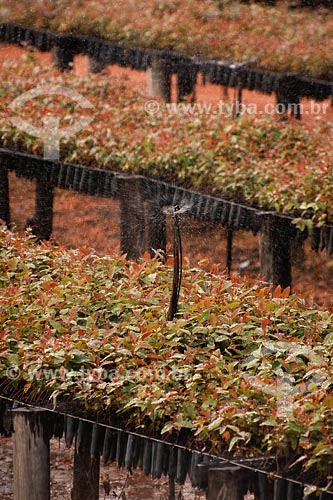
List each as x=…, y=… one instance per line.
x=123, y=485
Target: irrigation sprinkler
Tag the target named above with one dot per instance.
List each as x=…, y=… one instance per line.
x=175, y=212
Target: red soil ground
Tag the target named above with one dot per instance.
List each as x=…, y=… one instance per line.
x=94, y=222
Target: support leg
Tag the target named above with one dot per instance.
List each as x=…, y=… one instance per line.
x=62, y=57
x=226, y=483
x=31, y=457
x=159, y=79
x=156, y=228
x=41, y=222
x=275, y=251
x=132, y=217
x=86, y=467
x=4, y=196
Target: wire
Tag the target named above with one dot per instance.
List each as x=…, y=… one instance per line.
x=211, y=456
